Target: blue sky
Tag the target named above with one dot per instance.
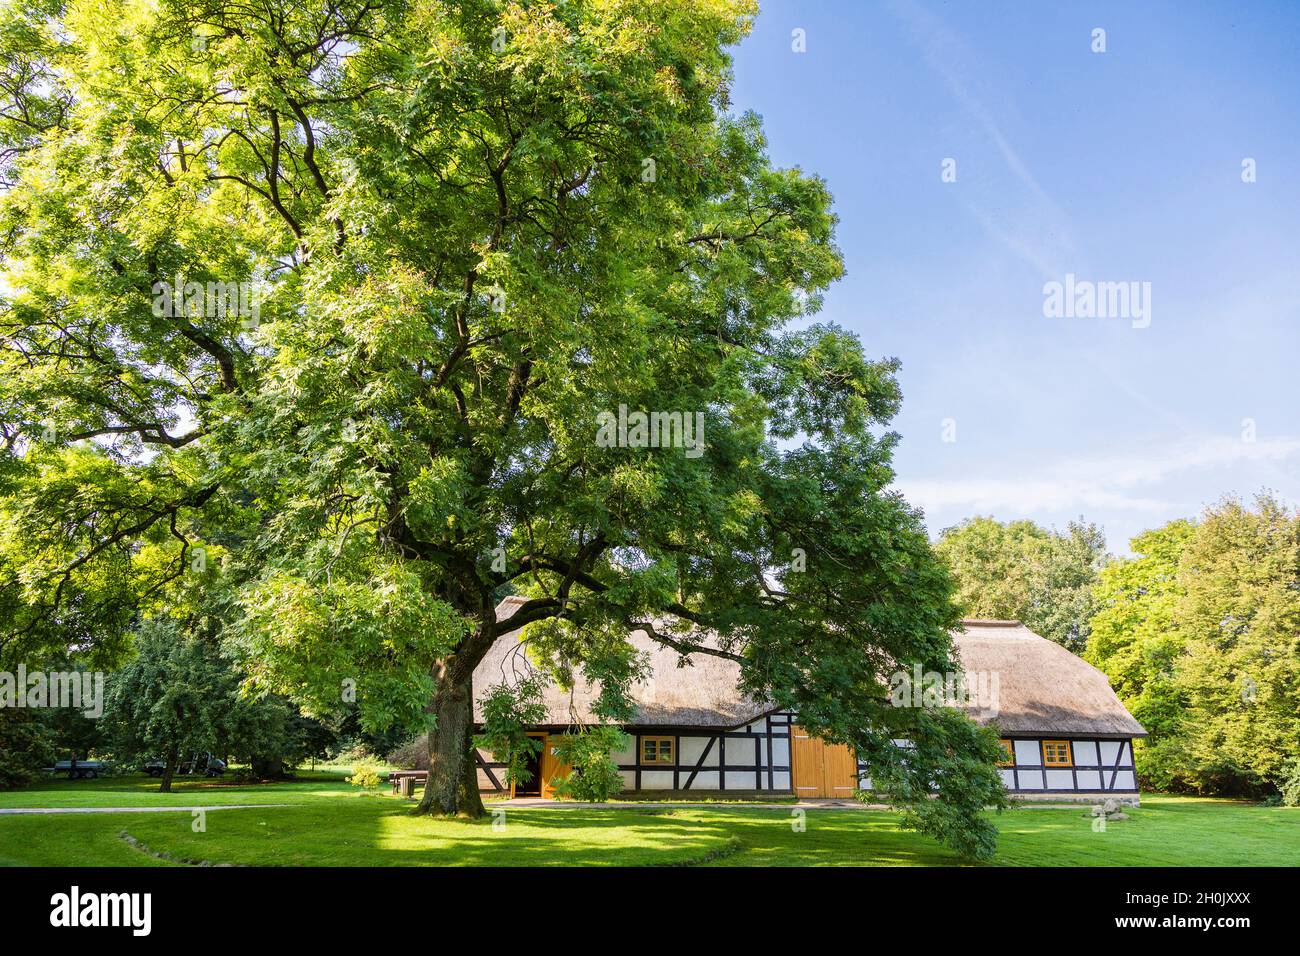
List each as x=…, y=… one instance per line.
x=1122, y=166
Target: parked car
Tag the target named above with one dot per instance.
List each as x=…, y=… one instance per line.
x=79, y=769
x=201, y=763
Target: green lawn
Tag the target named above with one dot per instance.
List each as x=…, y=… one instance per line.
x=329, y=823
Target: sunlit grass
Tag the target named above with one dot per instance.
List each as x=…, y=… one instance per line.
x=329, y=823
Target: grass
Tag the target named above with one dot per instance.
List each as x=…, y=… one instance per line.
x=329, y=823
x=142, y=791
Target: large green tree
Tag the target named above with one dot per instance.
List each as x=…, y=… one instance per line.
x=1240, y=615
x=174, y=698
x=1022, y=571
x=474, y=227
x=1199, y=635
x=1134, y=638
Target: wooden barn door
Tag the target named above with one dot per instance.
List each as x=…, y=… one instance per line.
x=821, y=769
x=551, y=766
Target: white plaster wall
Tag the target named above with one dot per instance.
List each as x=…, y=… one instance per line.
x=656, y=779
x=740, y=751
x=704, y=780
x=692, y=747
x=1027, y=752
x=1060, y=779
x=1085, y=753
x=1031, y=780
x=1089, y=780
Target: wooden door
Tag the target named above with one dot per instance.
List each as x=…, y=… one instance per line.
x=552, y=767
x=840, y=775
x=821, y=769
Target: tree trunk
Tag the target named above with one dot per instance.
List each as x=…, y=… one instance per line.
x=169, y=770
x=452, y=787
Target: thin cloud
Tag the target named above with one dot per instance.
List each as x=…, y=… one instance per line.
x=1041, y=224
x=1107, y=483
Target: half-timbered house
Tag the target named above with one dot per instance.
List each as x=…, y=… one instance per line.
x=1065, y=733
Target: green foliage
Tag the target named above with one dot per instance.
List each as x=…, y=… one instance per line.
x=176, y=696
x=1020, y=571
x=354, y=752
x=373, y=643
x=952, y=758
x=1134, y=640
x=1290, y=789
x=27, y=745
x=508, y=711
x=1198, y=633
x=473, y=227
x=1240, y=675
x=412, y=754
x=364, y=775
x=179, y=695
x=594, y=777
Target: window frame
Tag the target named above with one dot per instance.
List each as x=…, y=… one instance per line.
x=659, y=741
x=1009, y=756
x=1069, y=753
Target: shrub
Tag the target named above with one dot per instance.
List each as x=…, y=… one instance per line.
x=595, y=777
x=25, y=746
x=412, y=755
x=354, y=752
x=1291, y=786
x=365, y=776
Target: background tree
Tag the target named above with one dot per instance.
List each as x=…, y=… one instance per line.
x=176, y=697
x=1135, y=640
x=1198, y=633
x=1240, y=613
x=179, y=696
x=27, y=746
x=474, y=226
x=1020, y=571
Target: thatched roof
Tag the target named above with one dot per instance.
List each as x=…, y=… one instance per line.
x=700, y=694
x=1042, y=687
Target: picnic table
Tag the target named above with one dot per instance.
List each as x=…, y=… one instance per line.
x=399, y=778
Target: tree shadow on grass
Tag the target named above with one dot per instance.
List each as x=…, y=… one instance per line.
x=382, y=832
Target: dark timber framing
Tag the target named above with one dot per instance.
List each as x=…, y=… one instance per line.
x=776, y=725
x=1041, y=770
